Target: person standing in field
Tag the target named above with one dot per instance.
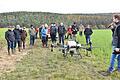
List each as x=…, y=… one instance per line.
x=53, y=32
x=88, y=32
x=74, y=30
x=17, y=33
x=10, y=38
x=69, y=32
x=81, y=29
x=61, y=32
x=43, y=36
x=115, y=45
x=47, y=34
x=23, y=37
x=32, y=34
x=40, y=28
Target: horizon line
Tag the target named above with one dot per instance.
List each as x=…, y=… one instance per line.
x=61, y=13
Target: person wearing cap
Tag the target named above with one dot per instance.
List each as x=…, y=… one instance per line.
x=10, y=38
x=32, y=34
x=17, y=33
x=23, y=37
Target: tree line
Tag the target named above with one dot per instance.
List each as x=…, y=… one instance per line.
x=98, y=21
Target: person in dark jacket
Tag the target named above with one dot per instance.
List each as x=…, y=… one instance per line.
x=53, y=32
x=115, y=45
x=23, y=37
x=88, y=32
x=10, y=38
x=74, y=30
x=40, y=28
x=17, y=33
x=61, y=32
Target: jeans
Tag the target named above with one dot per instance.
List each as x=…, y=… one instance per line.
x=17, y=42
x=112, y=61
x=87, y=38
x=61, y=38
x=10, y=44
x=32, y=40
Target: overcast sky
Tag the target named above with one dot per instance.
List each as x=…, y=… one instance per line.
x=61, y=6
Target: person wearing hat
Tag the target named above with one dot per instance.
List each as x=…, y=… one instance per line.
x=23, y=37
x=10, y=38
x=17, y=33
x=32, y=34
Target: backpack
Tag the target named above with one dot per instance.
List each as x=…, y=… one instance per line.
x=53, y=30
x=61, y=29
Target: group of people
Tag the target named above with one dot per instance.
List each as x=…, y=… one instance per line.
x=15, y=37
x=53, y=31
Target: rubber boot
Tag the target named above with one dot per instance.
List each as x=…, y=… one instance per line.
x=19, y=49
x=8, y=51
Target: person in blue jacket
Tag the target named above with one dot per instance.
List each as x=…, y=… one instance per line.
x=44, y=36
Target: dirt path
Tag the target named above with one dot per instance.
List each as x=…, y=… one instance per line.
x=7, y=62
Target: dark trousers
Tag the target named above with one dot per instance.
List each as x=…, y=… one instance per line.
x=32, y=40
x=61, y=38
x=17, y=42
x=69, y=35
x=88, y=39
x=44, y=41
x=36, y=35
x=10, y=44
x=23, y=43
x=53, y=37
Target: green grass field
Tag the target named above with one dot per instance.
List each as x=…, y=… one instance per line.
x=41, y=64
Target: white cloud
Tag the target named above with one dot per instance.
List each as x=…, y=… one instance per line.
x=61, y=6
